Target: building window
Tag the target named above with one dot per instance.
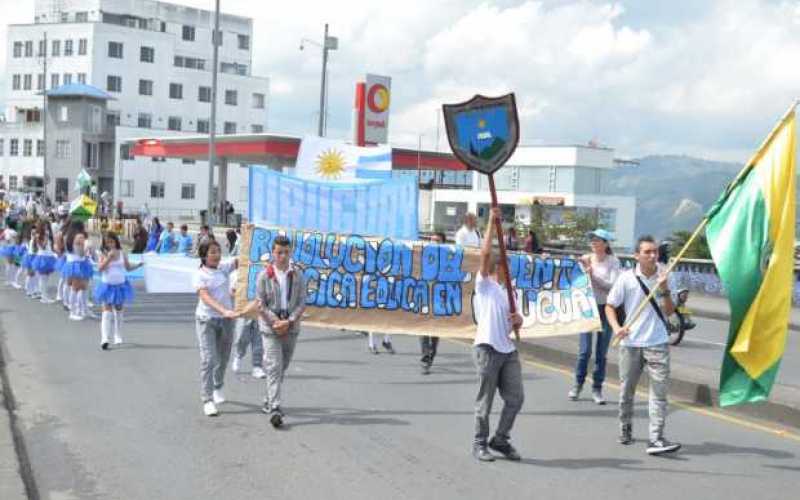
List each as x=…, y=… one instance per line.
x=39, y=147
x=81, y=77
x=32, y=116
x=174, y=123
x=27, y=82
x=204, y=94
x=114, y=83
x=67, y=47
x=54, y=80
x=40, y=81
x=55, y=48
x=18, y=49
x=2, y=143
x=81, y=17
x=244, y=42
x=219, y=38
x=126, y=188
x=82, y=47
x=13, y=147
x=187, y=191
x=27, y=147
x=230, y=127
x=125, y=152
x=63, y=150
x=231, y=97
x=12, y=182
x=202, y=126
x=42, y=49
x=156, y=190
x=145, y=87
x=29, y=48
x=16, y=82
x=256, y=129
x=145, y=120
x=63, y=113
x=188, y=33
x=62, y=189
x=233, y=68
x=67, y=78
x=115, y=50
x=147, y=54
x=112, y=120
x=258, y=101
x=175, y=91
x=187, y=161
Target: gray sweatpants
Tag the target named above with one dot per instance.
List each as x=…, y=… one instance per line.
x=497, y=372
x=632, y=361
x=247, y=334
x=214, y=337
x=279, y=350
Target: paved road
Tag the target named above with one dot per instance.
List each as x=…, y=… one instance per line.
x=128, y=424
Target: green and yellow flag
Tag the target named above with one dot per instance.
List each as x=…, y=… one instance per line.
x=751, y=237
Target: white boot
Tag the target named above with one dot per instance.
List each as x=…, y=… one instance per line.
x=105, y=329
x=117, y=327
x=44, y=281
x=18, y=280
x=67, y=297
x=75, y=305
x=60, y=290
x=86, y=312
x=28, y=280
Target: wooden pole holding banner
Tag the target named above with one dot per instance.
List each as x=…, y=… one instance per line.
x=630, y=319
x=512, y=304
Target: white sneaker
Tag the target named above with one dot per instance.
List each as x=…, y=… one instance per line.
x=75, y=317
x=218, y=396
x=210, y=409
x=259, y=372
x=90, y=314
x=236, y=365
x=46, y=301
x=117, y=340
x=16, y=285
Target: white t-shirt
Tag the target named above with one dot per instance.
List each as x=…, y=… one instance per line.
x=468, y=237
x=281, y=276
x=648, y=330
x=217, y=282
x=491, y=309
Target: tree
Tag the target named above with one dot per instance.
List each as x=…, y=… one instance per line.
x=698, y=249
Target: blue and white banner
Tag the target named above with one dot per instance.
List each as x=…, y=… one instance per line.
x=331, y=160
x=375, y=207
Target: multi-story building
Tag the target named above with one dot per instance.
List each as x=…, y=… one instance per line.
x=154, y=59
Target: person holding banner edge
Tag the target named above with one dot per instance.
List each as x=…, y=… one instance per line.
x=644, y=343
x=496, y=357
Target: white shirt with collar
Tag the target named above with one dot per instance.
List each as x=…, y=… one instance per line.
x=648, y=330
x=491, y=309
x=467, y=237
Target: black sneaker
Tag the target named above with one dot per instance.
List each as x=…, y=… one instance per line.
x=481, y=453
x=388, y=347
x=276, y=417
x=426, y=369
x=625, y=434
x=504, y=448
x=662, y=445
x=104, y=346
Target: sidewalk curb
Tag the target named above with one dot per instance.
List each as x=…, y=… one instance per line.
x=705, y=313
x=782, y=408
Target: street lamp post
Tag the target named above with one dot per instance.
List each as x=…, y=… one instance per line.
x=328, y=43
x=212, y=126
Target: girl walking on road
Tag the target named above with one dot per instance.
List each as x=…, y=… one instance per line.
x=78, y=270
x=44, y=263
x=114, y=290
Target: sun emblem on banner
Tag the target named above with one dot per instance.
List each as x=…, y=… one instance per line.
x=330, y=164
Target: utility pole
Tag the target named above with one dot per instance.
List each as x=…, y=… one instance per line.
x=212, y=153
x=44, y=120
x=321, y=130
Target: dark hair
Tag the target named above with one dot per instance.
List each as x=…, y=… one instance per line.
x=205, y=246
x=43, y=230
x=156, y=223
x=184, y=227
x=644, y=239
x=113, y=236
x=231, y=235
x=205, y=227
x=441, y=236
x=75, y=227
x=281, y=241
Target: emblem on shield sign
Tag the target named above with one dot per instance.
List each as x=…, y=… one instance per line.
x=483, y=132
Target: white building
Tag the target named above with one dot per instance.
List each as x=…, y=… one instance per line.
x=154, y=59
x=562, y=178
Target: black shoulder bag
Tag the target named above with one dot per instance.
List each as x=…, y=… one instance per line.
x=652, y=301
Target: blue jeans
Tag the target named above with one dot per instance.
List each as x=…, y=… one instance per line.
x=601, y=349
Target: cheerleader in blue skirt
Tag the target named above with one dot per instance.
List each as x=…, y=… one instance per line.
x=114, y=289
x=20, y=250
x=62, y=288
x=8, y=252
x=77, y=270
x=31, y=290
x=44, y=263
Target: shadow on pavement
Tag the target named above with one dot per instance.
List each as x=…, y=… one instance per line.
x=133, y=345
x=710, y=448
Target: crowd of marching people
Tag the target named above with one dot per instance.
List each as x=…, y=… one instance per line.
x=35, y=248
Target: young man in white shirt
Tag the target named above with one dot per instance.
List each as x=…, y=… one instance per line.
x=468, y=235
x=495, y=354
x=644, y=343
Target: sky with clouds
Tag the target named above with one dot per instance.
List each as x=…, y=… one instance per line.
x=699, y=77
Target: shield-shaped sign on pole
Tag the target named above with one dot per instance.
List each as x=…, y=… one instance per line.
x=483, y=133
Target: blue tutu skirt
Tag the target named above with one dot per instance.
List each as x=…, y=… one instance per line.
x=60, y=262
x=113, y=295
x=78, y=269
x=8, y=251
x=27, y=261
x=44, y=264
x=20, y=251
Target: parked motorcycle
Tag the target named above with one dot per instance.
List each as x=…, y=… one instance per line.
x=681, y=320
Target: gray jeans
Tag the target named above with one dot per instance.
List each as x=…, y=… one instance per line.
x=497, y=372
x=214, y=336
x=279, y=350
x=632, y=361
x=247, y=334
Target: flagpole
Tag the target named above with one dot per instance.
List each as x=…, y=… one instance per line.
x=512, y=306
x=629, y=320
